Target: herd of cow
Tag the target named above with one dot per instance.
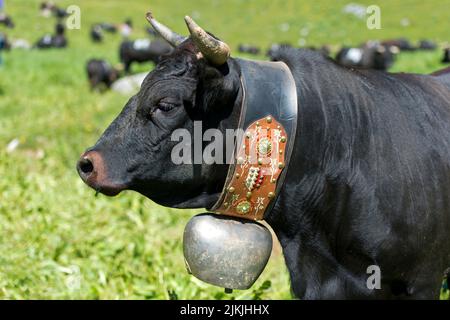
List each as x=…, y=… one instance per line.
x=379, y=55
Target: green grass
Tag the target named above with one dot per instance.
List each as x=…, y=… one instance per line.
x=127, y=247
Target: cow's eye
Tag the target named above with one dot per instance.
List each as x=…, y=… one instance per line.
x=165, y=106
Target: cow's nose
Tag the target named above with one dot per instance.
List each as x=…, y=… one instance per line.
x=92, y=170
x=90, y=166
x=85, y=167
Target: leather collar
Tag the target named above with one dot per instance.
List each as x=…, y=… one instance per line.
x=268, y=121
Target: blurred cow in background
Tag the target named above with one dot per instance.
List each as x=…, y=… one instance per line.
x=402, y=44
x=247, y=48
x=427, y=45
x=274, y=50
x=4, y=43
x=142, y=50
x=48, y=8
x=371, y=55
x=45, y=8
x=96, y=33
x=60, y=13
x=446, y=57
x=101, y=74
x=58, y=40
x=108, y=27
x=6, y=20
x=126, y=28
x=98, y=29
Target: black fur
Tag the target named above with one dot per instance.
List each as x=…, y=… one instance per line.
x=153, y=52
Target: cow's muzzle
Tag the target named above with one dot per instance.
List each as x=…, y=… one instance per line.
x=93, y=172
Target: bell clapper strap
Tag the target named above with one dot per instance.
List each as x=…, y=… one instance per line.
x=259, y=162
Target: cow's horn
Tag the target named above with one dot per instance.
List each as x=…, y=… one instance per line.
x=171, y=37
x=214, y=50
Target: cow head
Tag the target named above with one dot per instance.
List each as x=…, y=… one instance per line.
x=196, y=82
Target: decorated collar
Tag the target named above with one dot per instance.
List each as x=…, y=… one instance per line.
x=268, y=121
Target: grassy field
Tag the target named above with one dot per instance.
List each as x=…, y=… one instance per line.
x=59, y=240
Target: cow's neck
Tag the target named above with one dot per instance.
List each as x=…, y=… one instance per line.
x=334, y=123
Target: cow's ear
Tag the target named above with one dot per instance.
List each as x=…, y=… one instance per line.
x=212, y=72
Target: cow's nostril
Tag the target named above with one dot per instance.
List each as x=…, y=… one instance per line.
x=86, y=166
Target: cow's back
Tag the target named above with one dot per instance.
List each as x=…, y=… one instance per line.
x=376, y=147
x=443, y=76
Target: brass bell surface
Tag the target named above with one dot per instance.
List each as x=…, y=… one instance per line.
x=225, y=251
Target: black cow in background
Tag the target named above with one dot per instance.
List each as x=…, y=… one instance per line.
x=101, y=74
x=6, y=20
x=142, y=50
x=60, y=13
x=4, y=42
x=108, y=27
x=48, y=8
x=96, y=33
x=402, y=44
x=371, y=55
x=58, y=40
x=126, y=28
x=249, y=49
x=446, y=57
x=368, y=184
x=4, y=45
x=98, y=30
x=275, y=49
x=427, y=45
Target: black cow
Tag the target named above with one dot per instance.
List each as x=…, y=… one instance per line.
x=248, y=48
x=58, y=40
x=369, y=179
x=402, y=44
x=96, y=33
x=98, y=29
x=275, y=49
x=108, y=27
x=446, y=57
x=60, y=13
x=48, y=7
x=4, y=42
x=427, y=45
x=142, y=50
x=6, y=20
x=101, y=74
x=371, y=55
